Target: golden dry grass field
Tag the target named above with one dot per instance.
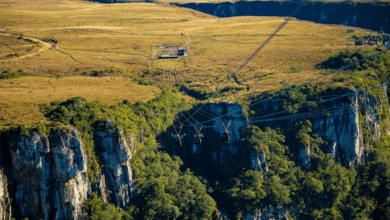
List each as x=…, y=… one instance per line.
x=116, y=39
x=20, y=97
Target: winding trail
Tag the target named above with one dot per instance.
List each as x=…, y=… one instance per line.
x=188, y=44
x=46, y=46
x=70, y=55
x=207, y=45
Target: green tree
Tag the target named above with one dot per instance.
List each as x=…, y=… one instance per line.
x=99, y=210
x=247, y=193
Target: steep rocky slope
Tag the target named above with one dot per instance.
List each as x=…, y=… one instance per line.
x=341, y=129
x=363, y=15
x=49, y=178
x=4, y=205
x=47, y=174
x=341, y=132
x=115, y=155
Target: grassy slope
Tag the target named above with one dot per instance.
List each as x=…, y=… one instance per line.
x=96, y=36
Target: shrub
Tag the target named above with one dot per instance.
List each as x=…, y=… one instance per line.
x=13, y=54
x=96, y=73
x=348, y=56
x=143, y=81
x=9, y=75
x=294, y=70
x=196, y=92
x=47, y=39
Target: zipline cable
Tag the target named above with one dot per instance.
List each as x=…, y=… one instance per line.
x=171, y=103
x=291, y=117
x=309, y=114
x=211, y=116
x=181, y=113
x=304, y=106
x=311, y=104
x=205, y=114
x=319, y=113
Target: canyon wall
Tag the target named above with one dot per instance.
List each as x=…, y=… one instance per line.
x=364, y=15
x=48, y=175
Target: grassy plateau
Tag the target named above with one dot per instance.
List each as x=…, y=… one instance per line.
x=103, y=52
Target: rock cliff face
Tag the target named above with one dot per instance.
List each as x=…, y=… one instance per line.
x=3, y=192
x=31, y=173
x=341, y=131
x=258, y=161
x=115, y=155
x=70, y=164
x=364, y=15
x=268, y=214
x=48, y=176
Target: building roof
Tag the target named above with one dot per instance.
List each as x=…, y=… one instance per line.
x=168, y=56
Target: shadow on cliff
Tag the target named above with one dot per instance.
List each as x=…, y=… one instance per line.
x=214, y=161
x=372, y=16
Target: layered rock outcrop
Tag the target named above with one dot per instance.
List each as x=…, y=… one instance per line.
x=342, y=133
x=70, y=165
x=31, y=174
x=115, y=155
x=258, y=161
x=50, y=178
x=343, y=129
x=3, y=193
x=49, y=174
